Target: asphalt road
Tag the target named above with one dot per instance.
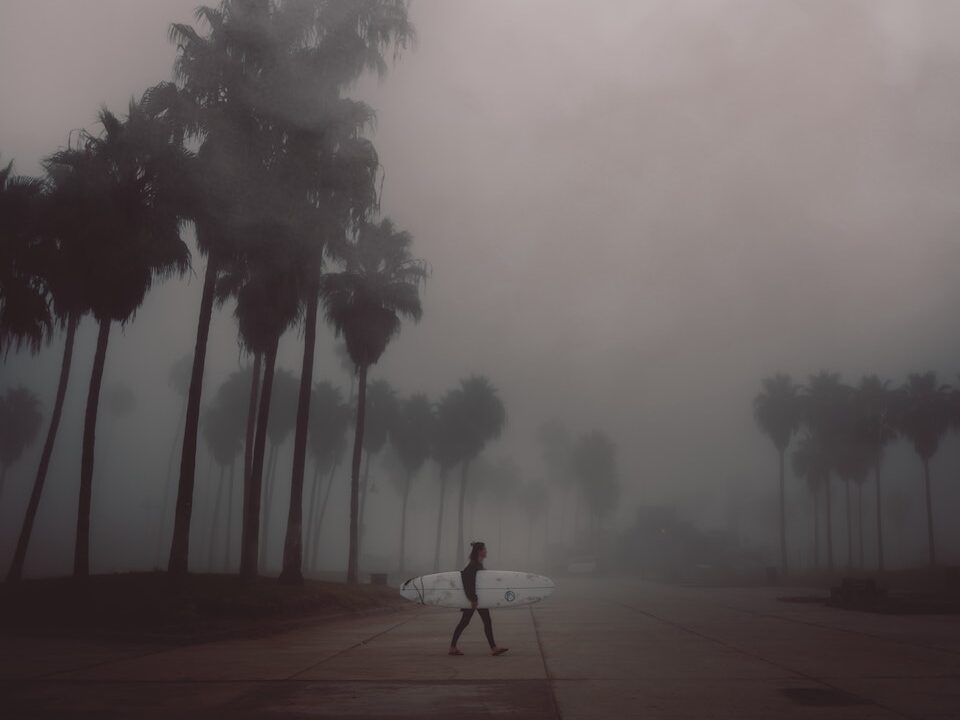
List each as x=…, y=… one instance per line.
x=613, y=649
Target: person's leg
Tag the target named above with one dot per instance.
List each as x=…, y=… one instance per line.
x=461, y=626
x=487, y=627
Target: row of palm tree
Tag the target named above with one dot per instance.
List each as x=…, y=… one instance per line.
x=255, y=145
x=843, y=431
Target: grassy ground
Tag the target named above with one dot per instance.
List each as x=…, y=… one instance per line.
x=151, y=605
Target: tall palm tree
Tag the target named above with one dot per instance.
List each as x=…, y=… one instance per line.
x=25, y=314
x=556, y=450
x=411, y=435
x=447, y=450
x=594, y=461
x=823, y=405
x=809, y=462
x=382, y=408
x=178, y=379
x=329, y=421
x=854, y=460
x=249, y=90
x=130, y=183
x=37, y=281
x=923, y=418
x=875, y=403
x=20, y=420
x=776, y=412
x=380, y=283
x=283, y=418
x=480, y=417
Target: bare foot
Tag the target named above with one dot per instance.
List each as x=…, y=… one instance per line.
x=498, y=651
x=454, y=651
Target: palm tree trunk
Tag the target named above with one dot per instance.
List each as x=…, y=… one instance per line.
x=860, y=520
x=323, y=510
x=250, y=534
x=443, y=488
x=876, y=474
x=215, y=520
x=826, y=485
x=168, y=483
x=180, y=546
x=783, y=520
x=403, y=523
x=816, y=530
x=463, y=494
x=292, y=572
x=20, y=554
x=267, y=506
x=846, y=484
x=311, y=514
x=364, y=486
x=81, y=551
x=353, y=552
x=229, y=540
x=926, y=484
x=252, y=415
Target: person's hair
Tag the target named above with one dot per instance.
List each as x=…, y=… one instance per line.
x=476, y=547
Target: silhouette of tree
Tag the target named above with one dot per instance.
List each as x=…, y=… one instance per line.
x=329, y=421
x=382, y=408
x=379, y=283
x=776, y=412
x=479, y=418
x=283, y=418
x=810, y=462
x=594, y=461
x=20, y=421
x=533, y=497
x=876, y=404
x=127, y=182
x=923, y=418
x=446, y=449
x=36, y=287
x=823, y=404
x=411, y=435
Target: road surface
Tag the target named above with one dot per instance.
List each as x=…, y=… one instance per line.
x=597, y=650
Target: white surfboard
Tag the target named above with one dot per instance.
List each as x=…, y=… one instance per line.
x=495, y=589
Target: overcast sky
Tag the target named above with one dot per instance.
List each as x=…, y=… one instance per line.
x=634, y=210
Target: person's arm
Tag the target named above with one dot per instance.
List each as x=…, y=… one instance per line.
x=469, y=576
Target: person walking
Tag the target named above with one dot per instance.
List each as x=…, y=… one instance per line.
x=478, y=552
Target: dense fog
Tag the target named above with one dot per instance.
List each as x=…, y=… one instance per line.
x=632, y=212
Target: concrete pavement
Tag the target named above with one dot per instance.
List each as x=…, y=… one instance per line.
x=614, y=649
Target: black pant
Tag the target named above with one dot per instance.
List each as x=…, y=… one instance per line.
x=465, y=620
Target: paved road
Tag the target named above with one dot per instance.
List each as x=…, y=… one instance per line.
x=620, y=649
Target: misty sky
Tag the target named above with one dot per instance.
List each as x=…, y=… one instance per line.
x=633, y=210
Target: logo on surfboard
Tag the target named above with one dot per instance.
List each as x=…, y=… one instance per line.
x=509, y=596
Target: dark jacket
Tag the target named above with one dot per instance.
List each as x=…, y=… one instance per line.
x=469, y=577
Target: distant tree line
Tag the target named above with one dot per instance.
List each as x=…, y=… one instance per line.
x=841, y=433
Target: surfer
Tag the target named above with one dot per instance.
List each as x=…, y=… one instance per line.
x=469, y=575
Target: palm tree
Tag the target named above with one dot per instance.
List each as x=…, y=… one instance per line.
x=37, y=278
x=556, y=451
x=382, y=408
x=809, y=462
x=379, y=284
x=447, y=450
x=411, y=435
x=823, y=405
x=178, y=379
x=250, y=90
x=21, y=419
x=594, y=461
x=479, y=419
x=283, y=418
x=533, y=498
x=923, y=418
x=25, y=314
x=330, y=419
x=876, y=402
x=129, y=181
x=854, y=459
x=776, y=412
